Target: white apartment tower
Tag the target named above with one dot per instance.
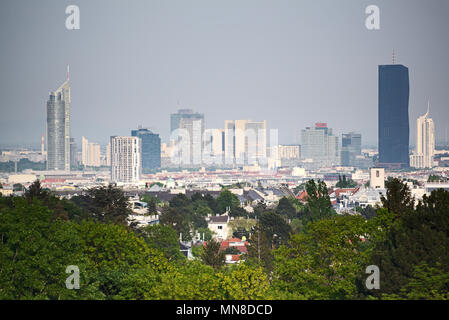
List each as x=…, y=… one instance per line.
x=126, y=159
x=425, y=142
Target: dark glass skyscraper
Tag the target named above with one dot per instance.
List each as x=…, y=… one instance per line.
x=151, y=148
x=393, y=116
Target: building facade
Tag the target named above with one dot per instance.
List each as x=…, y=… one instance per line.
x=187, y=129
x=126, y=159
x=351, y=147
x=151, y=148
x=320, y=145
x=425, y=142
x=58, y=128
x=245, y=142
x=393, y=116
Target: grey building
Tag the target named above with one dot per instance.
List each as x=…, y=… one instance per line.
x=58, y=128
x=190, y=123
x=319, y=145
x=351, y=147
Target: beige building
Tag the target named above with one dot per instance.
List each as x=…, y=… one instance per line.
x=90, y=153
x=377, y=178
x=425, y=142
x=245, y=142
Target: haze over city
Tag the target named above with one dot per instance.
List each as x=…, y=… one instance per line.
x=291, y=63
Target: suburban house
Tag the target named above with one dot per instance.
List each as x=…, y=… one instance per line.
x=219, y=225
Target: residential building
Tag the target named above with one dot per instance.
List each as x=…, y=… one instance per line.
x=425, y=142
x=126, y=159
x=219, y=225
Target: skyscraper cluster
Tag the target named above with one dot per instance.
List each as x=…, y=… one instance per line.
x=243, y=142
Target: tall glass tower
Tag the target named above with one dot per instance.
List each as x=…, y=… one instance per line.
x=58, y=128
x=393, y=116
x=151, y=148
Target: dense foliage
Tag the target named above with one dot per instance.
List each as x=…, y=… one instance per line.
x=295, y=250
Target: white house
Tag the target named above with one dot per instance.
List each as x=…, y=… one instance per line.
x=219, y=225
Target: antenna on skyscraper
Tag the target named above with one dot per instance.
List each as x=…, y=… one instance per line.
x=394, y=57
x=68, y=71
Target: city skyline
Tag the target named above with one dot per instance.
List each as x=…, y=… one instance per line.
x=274, y=69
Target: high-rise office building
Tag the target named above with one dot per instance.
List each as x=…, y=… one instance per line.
x=393, y=116
x=320, y=145
x=93, y=154
x=90, y=153
x=58, y=128
x=73, y=153
x=151, y=148
x=351, y=147
x=187, y=129
x=245, y=142
x=425, y=142
x=126, y=159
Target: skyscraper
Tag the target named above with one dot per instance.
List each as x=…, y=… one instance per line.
x=351, y=146
x=73, y=153
x=187, y=129
x=245, y=141
x=425, y=142
x=58, y=128
x=126, y=159
x=393, y=116
x=90, y=153
x=320, y=145
x=151, y=148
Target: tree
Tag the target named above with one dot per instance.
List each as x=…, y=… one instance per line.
x=226, y=200
x=285, y=208
x=398, y=197
x=113, y=252
x=259, y=249
x=35, y=251
x=212, y=255
x=36, y=191
x=245, y=283
x=318, y=201
x=174, y=218
x=345, y=183
x=325, y=261
x=106, y=204
x=417, y=237
x=276, y=229
x=163, y=238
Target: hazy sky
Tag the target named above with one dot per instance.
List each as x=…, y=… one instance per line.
x=292, y=63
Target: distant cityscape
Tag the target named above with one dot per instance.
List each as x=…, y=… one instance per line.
x=241, y=151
